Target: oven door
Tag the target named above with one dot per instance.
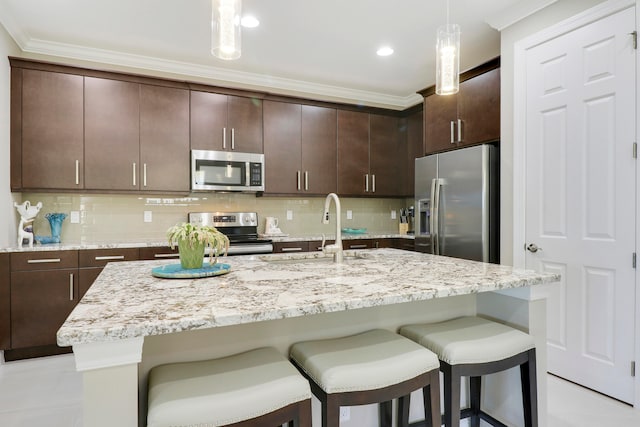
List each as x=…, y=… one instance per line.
x=226, y=171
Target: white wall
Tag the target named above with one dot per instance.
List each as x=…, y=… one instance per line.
x=7, y=212
x=553, y=14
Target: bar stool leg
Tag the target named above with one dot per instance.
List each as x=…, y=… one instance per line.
x=529, y=390
x=331, y=412
x=385, y=414
x=451, y=395
x=475, y=385
x=404, y=403
x=431, y=402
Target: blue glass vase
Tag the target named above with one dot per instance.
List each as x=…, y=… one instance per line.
x=55, y=223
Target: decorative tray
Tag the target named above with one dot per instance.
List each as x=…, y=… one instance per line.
x=175, y=271
x=354, y=230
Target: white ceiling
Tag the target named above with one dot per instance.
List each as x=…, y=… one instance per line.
x=323, y=49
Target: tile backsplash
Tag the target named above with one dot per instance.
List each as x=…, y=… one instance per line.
x=120, y=218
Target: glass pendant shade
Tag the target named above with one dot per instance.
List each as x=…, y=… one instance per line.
x=448, y=60
x=225, y=28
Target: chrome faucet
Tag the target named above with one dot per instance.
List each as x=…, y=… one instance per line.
x=336, y=248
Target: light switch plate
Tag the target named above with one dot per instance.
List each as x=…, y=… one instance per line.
x=148, y=216
x=74, y=217
x=289, y=215
x=345, y=413
x=349, y=214
x=393, y=214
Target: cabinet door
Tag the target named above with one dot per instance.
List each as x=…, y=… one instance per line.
x=52, y=130
x=282, y=147
x=415, y=147
x=164, y=139
x=86, y=277
x=5, y=303
x=440, y=111
x=208, y=120
x=386, y=156
x=353, y=153
x=244, y=124
x=479, y=108
x=112, y=134
x=319, y=150
x=40, y=303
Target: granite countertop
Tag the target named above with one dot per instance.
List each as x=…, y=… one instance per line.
x=68, y=246
x=126, y=301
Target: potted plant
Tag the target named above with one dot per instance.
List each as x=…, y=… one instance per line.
x=192, y=240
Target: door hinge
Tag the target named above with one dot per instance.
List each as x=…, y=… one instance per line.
x=634, y=34
x=635, y=150
x=633, y=369
x=633, y=260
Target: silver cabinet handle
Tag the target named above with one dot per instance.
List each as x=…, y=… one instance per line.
x=233, y=138
x=166, y=255
x=452, y=131
x=134, y=174
x=366, y=183
x=77, y=172
x=532, y=247
x=298, y=179
x=306, y=180
x=144, y=174
x=109, y=257
x=423, y=245
x=224, y=138
x=459, y=130
x=43, y=260
x=71, y=287
x=373, y=182
x=291, y=249
x=357, y=246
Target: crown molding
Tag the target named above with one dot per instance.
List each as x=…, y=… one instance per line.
x=516, y=13
x=218, y=76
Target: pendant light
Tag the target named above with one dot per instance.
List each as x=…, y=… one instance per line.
x=225, y=28
x=448, y=58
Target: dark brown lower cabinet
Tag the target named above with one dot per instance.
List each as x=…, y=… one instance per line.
x=5, y=303
x=40, y=303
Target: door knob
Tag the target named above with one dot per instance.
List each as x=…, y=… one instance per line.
x=532, y=247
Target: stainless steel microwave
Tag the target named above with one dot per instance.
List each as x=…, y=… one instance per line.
x=226, y=171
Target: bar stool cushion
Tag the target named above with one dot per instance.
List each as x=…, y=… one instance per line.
x=223, y=391
x=366, y=361
x=469, y=340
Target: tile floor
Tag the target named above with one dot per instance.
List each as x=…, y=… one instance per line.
x=46, y=392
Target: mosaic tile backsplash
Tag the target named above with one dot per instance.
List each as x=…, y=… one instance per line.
x=120, y=218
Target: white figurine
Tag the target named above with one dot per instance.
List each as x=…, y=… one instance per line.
x=27, y=214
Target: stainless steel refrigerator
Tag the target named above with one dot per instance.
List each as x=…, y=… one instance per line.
x=457, y=203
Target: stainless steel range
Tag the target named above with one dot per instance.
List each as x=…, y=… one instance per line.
x=240, y=227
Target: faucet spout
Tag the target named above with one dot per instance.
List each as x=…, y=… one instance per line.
x=336, y=248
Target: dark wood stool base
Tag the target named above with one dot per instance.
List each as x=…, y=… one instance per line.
x=295, y=415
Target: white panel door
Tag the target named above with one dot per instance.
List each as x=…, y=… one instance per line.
x=580, y=198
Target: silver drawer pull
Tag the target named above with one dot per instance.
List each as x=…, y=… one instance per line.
x=291, y=249
x=166, y=255
x=43, y=260
x=423, y=244
x=109, y=257
x=71, y=287
x=357, y=246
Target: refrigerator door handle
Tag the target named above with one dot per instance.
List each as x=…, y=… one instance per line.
x=433, y=213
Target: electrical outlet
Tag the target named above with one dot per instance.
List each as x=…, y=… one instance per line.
x=289, y=215
x=345, y=413
x=393, y=214
x=349, y=214
x=148, y=216
x=74, y=217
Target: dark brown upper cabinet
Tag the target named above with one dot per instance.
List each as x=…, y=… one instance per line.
x=300, y=148
x=47, y=131
x=415, y=148
x=472, y=116
x=371, y=155
x=226, y=122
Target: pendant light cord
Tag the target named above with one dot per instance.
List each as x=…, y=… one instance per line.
x=447, y=13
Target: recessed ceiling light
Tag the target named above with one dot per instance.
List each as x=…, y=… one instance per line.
x=249, y=21
x=384, y=51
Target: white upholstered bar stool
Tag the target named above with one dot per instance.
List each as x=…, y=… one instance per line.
x=473, y=347
x=376, y=366
x=256, y=388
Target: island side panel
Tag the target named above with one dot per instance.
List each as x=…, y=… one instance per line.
x=111, y=397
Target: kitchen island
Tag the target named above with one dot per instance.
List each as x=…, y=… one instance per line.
x=130, y=321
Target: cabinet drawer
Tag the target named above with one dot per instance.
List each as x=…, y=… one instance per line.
x=357, y=244
x=287, y=247
x=316, y=245
x=159, y=252
x=43, y=260
x=100, y=257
